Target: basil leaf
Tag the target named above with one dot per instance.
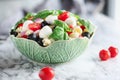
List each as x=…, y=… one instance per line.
x=29, y=15
x=43, y=14
x=62, y=24
x=57, y=12
x=58, y=33
x=66, y=37
x=88, y=25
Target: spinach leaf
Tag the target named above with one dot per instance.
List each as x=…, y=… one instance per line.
x=62, y=24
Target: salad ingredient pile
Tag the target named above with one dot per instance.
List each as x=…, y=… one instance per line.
x=48, y=26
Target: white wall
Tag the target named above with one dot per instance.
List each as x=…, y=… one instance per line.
x=114, y=9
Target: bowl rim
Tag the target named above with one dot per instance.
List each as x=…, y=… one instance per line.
x=55, y=42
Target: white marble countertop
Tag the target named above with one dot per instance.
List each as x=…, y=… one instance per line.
x=14, y=66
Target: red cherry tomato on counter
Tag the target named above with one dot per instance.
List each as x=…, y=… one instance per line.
x=63, y=16
x=104, y=55
x=113, y=51
x=46, y=73
x=34, y=26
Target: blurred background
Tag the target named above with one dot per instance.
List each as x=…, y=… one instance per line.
x=13, y=10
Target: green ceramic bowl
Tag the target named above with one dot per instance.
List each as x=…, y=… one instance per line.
x=58, y=52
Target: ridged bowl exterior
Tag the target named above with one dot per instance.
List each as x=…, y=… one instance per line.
x=57, y=52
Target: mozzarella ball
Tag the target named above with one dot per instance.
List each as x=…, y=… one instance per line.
x=71, y=21
x=45, y=32
x=51, y=18
x=25, y=25
x=39, y=20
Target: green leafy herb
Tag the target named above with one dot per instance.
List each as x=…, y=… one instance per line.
x=43, y=14
x=74, y=15
x=88, y=25
x=62, y=24
x=29, y=15
x=66, y=37
x=57, y=12
x=58, y=33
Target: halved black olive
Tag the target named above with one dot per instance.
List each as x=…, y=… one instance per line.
x=36, y=38
x=91, y=34
x=39, y=41
x=44, y=23
x=32, y=36
x=12, y=32
x=86, y=34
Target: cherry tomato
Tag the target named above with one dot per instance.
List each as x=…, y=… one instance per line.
x=63, y=16
x=113, y=51
x=46, y=73
x=69, y=33
x=23, y=35
x=71, y=26
x=20, y=25
x=104, y=55
x=82, y=27
x=34, y=26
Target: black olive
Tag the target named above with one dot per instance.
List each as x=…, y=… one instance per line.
x=39, y=41
x=91, y=34
x=44, y=23
x=15, y=34
x=36, y=38
x=86, y=34
x=31, y=36
x=12, y=32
